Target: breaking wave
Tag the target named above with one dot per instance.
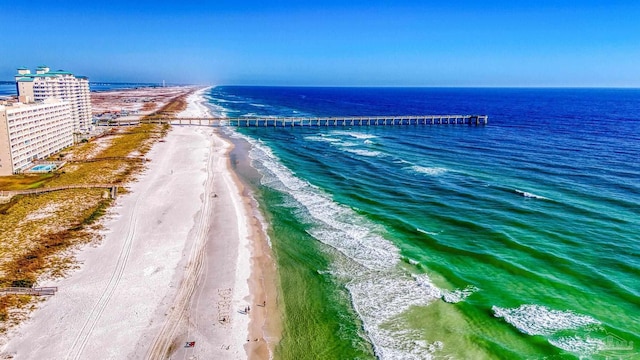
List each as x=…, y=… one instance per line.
x=367, y=263
x=434, y=171
x=540, y=320
x=530, y=195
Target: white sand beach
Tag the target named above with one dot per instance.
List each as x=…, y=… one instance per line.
x=173, y=267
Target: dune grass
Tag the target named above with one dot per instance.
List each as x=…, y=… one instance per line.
x=37, y=233
x=25, y=181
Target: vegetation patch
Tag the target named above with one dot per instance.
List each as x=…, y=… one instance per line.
x=100, y=210
x=39, y=232
x=10, y=309
x=24, y=181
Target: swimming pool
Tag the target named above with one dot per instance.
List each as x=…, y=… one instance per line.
x=43, y=168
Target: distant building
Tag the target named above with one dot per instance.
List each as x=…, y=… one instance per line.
x=33, y=131
x=60, y=84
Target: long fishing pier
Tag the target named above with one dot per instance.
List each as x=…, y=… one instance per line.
x=306, y=121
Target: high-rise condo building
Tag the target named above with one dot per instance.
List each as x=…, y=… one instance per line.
x=33, y=131
x=61, y=85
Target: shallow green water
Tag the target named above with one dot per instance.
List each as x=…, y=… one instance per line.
x=399, y=243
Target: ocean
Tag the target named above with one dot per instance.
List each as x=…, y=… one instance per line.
x=7, y=89
x=515, y=240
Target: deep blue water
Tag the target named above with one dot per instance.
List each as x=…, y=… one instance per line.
x=519, y=239
x=7, y=90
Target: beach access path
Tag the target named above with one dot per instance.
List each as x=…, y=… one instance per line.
x=171, y=269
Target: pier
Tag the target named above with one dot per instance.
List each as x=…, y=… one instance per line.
x=267, y=121
x=39, y=291
x=7, y=195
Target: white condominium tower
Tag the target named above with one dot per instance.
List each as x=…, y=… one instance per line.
x=32, y=132
x=61, y=85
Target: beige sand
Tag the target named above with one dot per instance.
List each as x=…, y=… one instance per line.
x=142, y=101
x=173, y=268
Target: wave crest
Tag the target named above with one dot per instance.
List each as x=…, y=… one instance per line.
x=530, y=195
x=434, y=171
x=540, y=320
x=458, y=295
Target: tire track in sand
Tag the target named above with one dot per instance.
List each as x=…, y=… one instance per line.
x=89, y=325
x=164, y=339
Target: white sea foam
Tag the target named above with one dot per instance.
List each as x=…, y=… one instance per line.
x=216, y=110
x=369, y=142
x=578, y=344
x=258, y=105
x=379, y=299
x=380, y=290
x=428, y=232
x=349, y=144
x=576, y=333
x=363, y=152
x=455, y=296
x=354, y=134
x=540, y=320
x=434, y=171
x=530, y=195
x=228, y=101
x=322, y=139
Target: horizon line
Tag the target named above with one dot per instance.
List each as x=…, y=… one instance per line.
x=372, y=86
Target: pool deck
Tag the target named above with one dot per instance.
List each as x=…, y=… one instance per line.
x=44, y=167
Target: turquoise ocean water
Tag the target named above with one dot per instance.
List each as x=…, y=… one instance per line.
x=516, y=240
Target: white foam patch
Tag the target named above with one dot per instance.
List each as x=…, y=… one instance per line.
x=228, y=101
x=578, y=344
x=379, y=299
x=458, y=295
x=380, y=290
x=215, y=109
x=355, y=241
x=433, y=171
x=540, y=320
x=530, y=195
x=428, y=232
x=354, y=134
x=363, y=152
x=322, y=139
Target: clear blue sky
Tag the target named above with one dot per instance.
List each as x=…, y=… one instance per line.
x=341, y=43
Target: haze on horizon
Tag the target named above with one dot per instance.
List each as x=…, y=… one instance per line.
x=330, y=43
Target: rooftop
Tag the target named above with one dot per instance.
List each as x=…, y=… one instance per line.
x=44, y=72
x=36, y=75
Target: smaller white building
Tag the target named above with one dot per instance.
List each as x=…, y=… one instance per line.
x=33, y=131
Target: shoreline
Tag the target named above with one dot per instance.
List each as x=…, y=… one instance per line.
x=264, y=329
x=176, y=257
